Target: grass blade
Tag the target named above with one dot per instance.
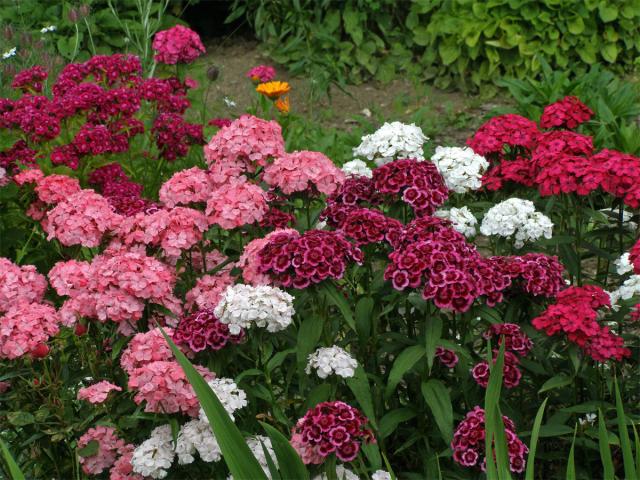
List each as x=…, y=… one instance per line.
x=605, y=449
x=625, y=443
x=289, y=462
x=571, y=462
x=235, y=451
x=535, y=432
x=14, y=469
x=495, y=437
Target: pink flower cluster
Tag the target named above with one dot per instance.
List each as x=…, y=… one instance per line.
x=114, y=286
x=25, y=328
x=468, y=443
x=186, y=186
x=330, y=427
x=516, y=343
x=30, y=80
x=156, y=378
x=299, y=260
x=202, y=330
x=575, y=314
x=19, y=284
x=447, y=357
x=261, y=74
x=208, y=290
x=178, y=44
x=303, y=171
x=98, y=392
x=236, y=204
x=566, y=113
x=110, y=446
x=419, y=184
x=249, y=262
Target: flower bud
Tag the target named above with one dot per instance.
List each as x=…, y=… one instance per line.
x=40, y=351
x=7, y=32
x=84, y=10
x=213, y=73
x=73, y=15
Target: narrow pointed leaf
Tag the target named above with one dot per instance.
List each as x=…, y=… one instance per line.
x=289, y=462
x=535, y=433
x=14, y=469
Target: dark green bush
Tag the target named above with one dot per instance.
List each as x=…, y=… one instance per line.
x=463, y=42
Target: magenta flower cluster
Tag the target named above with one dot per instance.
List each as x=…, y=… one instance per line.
x=202, y=330
x=178, y=44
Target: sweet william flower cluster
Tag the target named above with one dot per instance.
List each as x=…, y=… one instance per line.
x=392, y=141
x=332, y=360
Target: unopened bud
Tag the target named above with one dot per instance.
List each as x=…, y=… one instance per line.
x=213, y=73
x=74, y=16
x=84, y=10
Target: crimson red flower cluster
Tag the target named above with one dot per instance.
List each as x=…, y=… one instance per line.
x=296, y=260
x=30, y=79
x=330, y=427
x=202, y=330
x=468, y=443
x=566, y=113
x=634, y=257
x=419, y=184
x=575, y=314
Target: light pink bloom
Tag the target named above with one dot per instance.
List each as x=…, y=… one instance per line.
x=109, y=446
x=236, y=204
x=19, y=284
x=24, y=327
x=98, y=392
x=185, y=187
x=304, y=171
x=56, y=188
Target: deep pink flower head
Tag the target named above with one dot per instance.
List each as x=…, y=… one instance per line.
x=469, y=442
x=219, y=122
x=31, y=175
x=295, y=260
x=19, y=284
x=303, y=171
x=419, y=184
x=634, y=257
x=510, y=130
x=618, y=174
x=122, y=468
x=365, y=226
x=330, y=427
x=511, y=374
x=261, y=74
x=178, y=44
x=174, y=136
x=56, y=188
x=98, y=392
x=25, y=327
x=30, y=79
x=202, y=330
x=276, y=218
x=109, y=447
x=515, y=340
x=566, y=113
x=534, y=273
x=447, y=357
x=249, y=140
x=236, y=204
x=249, y=262
x=186, y=186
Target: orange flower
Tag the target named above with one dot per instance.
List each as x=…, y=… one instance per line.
x=273, y=89
x=282, y=104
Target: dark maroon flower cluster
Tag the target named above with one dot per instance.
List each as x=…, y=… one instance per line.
x=420, y=184
x=123, y=195
x=331, y=427
x=276, y=218
x=219, y=122
x=575, y=314
x=363, y=225
x=202, y=330
x=18, y=155
x=516, y=343
x=450, y=271
x=447, y=357
x=30, y=79
x=356, y=191
x=468, y=443
x=174, y=136
x=566, y=113
x=296, y=260
x=534, y=273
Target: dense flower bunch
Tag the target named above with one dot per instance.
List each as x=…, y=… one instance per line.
x=533, y=273
x=461, y=168
x=303, y=171
x=575, y=314
x=123, y=195
x=276, y=218
x=298, y=261
x=517, y=219
x=566, y=113
x=332, y=360
x=19, y=284
x=469, y=442
x=25, y=329
x=208, y=290
x=243, y=305
x=30, y=80
x=109, y=447
x=236, y=204
x=250, y=262
x=178, y=44
x=357, y=168
x=330, y=427
x=363, y=225
x=98, y=392
x=192, y=185
x=509, y=131
x=418, y=183
x=356, y=190
x=462, y=220
x=392, y=141
x=261, y=74
x=174, y=136
x=153, y=457
x=202, y=330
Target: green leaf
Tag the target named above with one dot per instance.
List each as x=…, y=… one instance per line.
x=495, y=436
x=449, y=52
x=335, y=297
x=289, y=462
x=308, y=337
x=14, y=469
x=364, y=317
x=610, y=52
x=437, y=397
x=557, y=381
x=605, y=450
x=533, y=444
x=608, y=13
x=235, y=451
x=359, y=385
x=20, y=419
x=392, y=419
x=625, y=443
x=576, y=25
x=89, y=449
x=403, y=363
x=571, y=463
x=433, y=333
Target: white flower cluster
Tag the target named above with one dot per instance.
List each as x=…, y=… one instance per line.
x=462, y=220
x=50, y=28
x=9, y=53
x=326, y=361
x=342, y=473
x=357, y=168
x=197, y=436
x=255, y=444
x=381, y=475
x=241, y=305
x=153, y=457
x=461, y=168
x=629, y=289
x=623, y=264
x=231, y=397
x=518, y=218
x=392, y=141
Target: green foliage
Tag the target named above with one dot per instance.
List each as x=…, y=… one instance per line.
x=455, y=42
